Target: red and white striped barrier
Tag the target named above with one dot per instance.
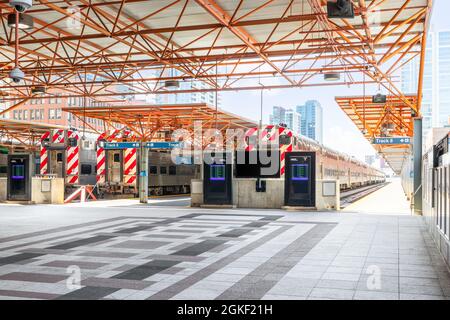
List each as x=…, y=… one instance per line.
x=130, y=165
x=270, y=135
x=129, y=159
x=101, y=161
x=43, y=167
x=72, y=163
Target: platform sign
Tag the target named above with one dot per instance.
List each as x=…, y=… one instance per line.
x=392, y=141
x=121, y=145
x=162, y=145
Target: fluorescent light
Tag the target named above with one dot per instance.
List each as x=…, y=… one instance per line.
x=331, y=76
x=25, y=21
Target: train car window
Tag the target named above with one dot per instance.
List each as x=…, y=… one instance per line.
x=172, y=170
x=86, y=169
x=163, y=170
x=249, y=168
x=153, y=169
x=285, y=139
x=3, y=169
x=116, y=157
x=59, y=157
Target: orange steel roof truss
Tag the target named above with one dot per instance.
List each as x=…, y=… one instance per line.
x=147, y=120
x=19, y=135
x=393, y=119
x=86, y=48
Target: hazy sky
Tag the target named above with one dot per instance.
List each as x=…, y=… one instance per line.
x=339, y=131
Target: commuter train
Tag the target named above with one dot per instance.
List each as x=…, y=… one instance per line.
x=330, y=164
x=117, y=170
x=78, y=158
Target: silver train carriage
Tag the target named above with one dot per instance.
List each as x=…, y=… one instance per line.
x=331, y=165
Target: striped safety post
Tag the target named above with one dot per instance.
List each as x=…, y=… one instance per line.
x=130, y=165
x=101, y=160
x=73, y=156
x=249, y=145
x=129, y=162
x=284, y=149
x=43, y=168
x=58, y=136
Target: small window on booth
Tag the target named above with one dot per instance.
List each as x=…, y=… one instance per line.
x=172, y=170
x=116, y=157
x=59, y=157
x=86, y=169
x=163, y=170
x=153, y=169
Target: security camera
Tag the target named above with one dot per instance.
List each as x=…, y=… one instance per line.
x=21, y=5
x=16, y=75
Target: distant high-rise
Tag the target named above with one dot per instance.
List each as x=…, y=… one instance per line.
x=289, y=117
x=311, y=120
x=278, y=115
x=436, y=87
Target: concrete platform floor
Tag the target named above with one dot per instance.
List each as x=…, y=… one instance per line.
x=388, y=200
x=123, y=250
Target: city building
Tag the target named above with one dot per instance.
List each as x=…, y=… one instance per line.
x=289, y=117
x=278, y=115
x=370, y=159
x=436, y=87
x=48, y=109
x=311, y=120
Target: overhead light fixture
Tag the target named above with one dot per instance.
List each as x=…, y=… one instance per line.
x=379, y=98
x=340, y=9
x=171, y=84
x=332, y=76
x=38, y=90
x=25, y=21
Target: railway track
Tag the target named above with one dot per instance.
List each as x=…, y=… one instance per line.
x=351, y=196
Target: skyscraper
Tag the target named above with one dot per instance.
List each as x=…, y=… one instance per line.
x=436, y=87
x=278, y=115
x=289, y=117
x=311, y=120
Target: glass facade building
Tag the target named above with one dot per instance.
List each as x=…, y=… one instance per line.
x=436, y=87
x=311, y=120
x=289, y=117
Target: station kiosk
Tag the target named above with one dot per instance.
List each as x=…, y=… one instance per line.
x=300, y=179
x=20, y=171
x=217, y=182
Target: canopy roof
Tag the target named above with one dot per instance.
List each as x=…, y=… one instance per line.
x=18, y=134
x=390, y=119
x=146, y=120
x=88, y=48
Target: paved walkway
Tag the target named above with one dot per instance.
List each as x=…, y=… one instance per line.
x=390, y=200
x=167, y=252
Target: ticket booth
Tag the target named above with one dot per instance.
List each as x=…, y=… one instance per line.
x=217, y=180
x=300, y=179
x=19, y=177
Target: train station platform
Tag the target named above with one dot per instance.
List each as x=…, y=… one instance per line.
x=175, y=252
x=389, y=200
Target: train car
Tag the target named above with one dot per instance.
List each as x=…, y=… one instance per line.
x=70, y=155
x=330, y=164
x=167, y=177
x=436, y=187
x=117, y=169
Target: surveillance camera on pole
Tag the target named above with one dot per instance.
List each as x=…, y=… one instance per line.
x=16, y=75
x=21, y=5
